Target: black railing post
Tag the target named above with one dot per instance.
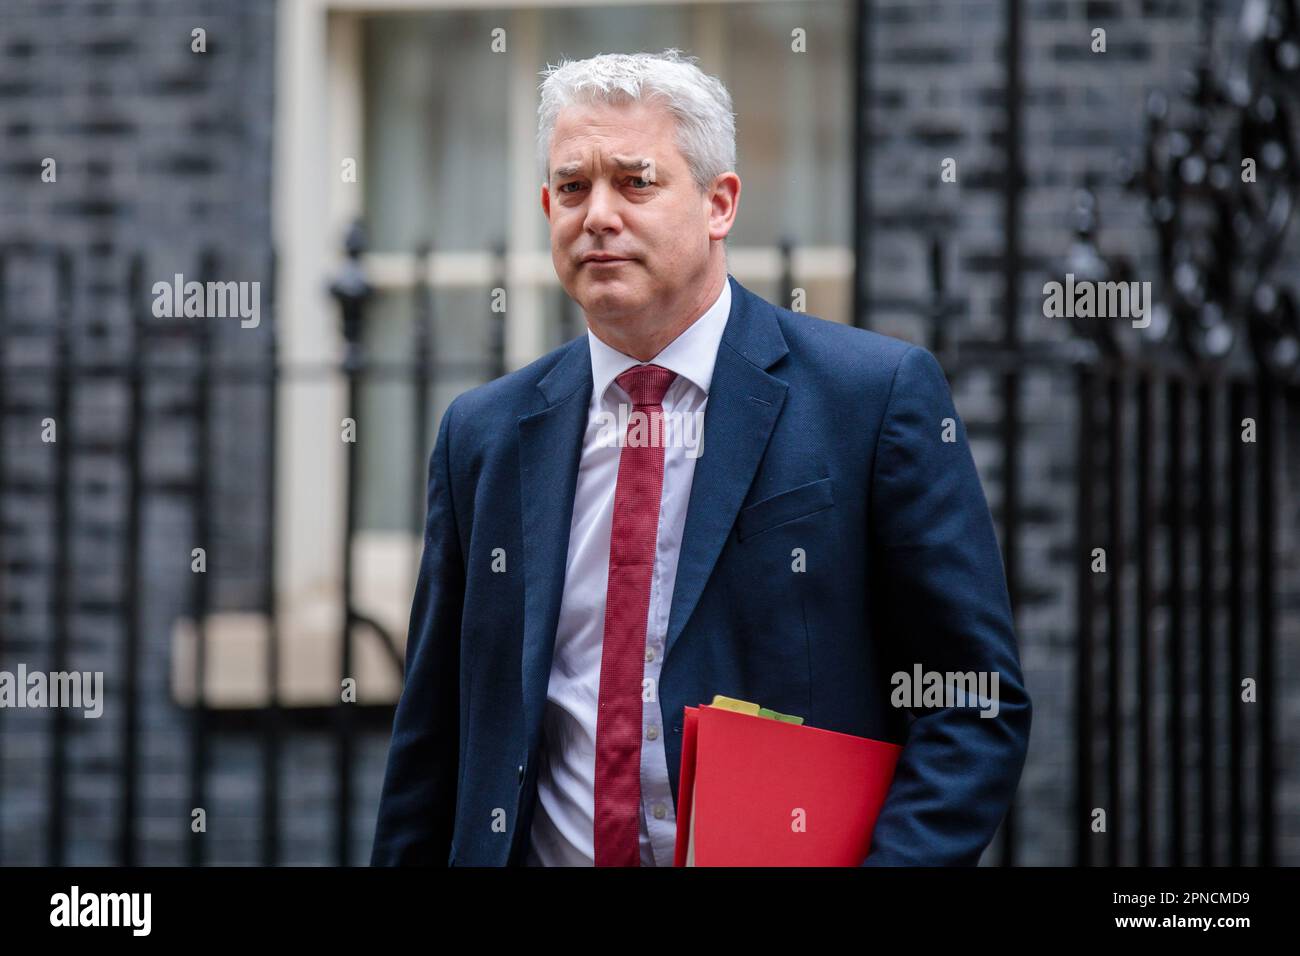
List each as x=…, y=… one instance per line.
x=1265, y=505
x=862, y=109
x=1236, y=620
x=423, y=333
x=1011, y=271
x=786, y=253
x=136, y=305
x=1145, y=691
x=1207, y=500
x=1011, y=435
x=352, y=292
x=1176, y=600
x=939, y=305
x=497, y=323
x=60, y=589
x=1115, y=612
x=1084, y=595
x=5, y=605
x=201, y=594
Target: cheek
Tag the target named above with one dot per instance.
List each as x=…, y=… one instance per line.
x=561, y=235
x=686, y=224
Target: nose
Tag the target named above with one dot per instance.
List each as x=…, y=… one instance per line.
x=602, y=209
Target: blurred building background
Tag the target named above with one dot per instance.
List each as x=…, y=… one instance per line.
x=255, y=159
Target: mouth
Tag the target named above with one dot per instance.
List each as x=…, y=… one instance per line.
x=603, y=260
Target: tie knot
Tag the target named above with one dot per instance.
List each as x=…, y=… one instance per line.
x=646, y=384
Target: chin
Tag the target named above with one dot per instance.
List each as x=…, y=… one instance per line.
x=610, y=291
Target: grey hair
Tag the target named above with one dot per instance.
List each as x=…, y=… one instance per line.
x=706, y=126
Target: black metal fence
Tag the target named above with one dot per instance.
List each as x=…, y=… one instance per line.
x=1162, y=485
x=203, y=376
x=1143, y=446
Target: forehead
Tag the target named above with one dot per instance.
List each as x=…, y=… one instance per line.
x=623, y=135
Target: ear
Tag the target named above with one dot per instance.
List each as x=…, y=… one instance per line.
x=546, y=201
x=724, y=200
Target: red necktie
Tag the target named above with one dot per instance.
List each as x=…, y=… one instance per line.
x=627, y=604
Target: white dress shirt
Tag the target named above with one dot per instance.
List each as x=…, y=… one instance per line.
x=562, y=830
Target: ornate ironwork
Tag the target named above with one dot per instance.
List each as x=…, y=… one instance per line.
x=1221, y=173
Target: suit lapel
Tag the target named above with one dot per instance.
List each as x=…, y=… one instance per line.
x=550, y=450
x=744, y=403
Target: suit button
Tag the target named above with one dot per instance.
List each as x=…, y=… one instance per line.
x=521, y=773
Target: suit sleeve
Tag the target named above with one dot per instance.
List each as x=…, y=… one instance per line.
x=417, y=807
x=943, y=605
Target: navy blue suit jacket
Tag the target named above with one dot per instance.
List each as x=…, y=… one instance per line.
x=817, y=436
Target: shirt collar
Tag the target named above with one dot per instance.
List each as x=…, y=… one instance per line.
x=691, y=355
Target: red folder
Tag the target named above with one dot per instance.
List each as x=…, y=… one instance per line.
x=762, y=792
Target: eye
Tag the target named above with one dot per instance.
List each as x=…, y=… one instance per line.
x=638, y=179
x=561, y=187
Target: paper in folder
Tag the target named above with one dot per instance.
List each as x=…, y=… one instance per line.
x=759, y=788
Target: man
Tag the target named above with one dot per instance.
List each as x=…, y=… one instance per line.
x=827, y=530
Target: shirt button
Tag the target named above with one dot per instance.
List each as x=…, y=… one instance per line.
x=649, y=653
x=651, y=733
x=659, y=811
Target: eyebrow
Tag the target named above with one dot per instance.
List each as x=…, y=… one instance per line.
x=627, y=163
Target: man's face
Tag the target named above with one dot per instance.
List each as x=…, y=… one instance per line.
x=619, y=187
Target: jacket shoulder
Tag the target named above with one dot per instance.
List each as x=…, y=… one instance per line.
x=843, y=351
